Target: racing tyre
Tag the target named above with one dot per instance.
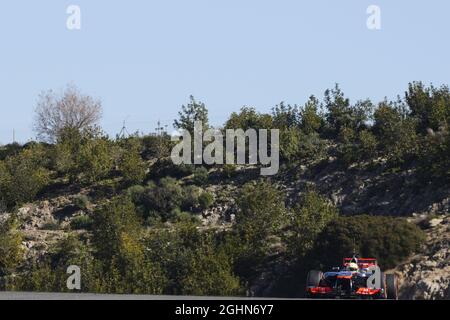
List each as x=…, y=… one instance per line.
x=383, y=286
x=392, y=286
x=313, y=278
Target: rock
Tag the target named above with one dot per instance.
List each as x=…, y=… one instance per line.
x=427, y=275
x=435, y=222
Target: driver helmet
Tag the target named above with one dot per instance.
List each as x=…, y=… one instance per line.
x=352, y=266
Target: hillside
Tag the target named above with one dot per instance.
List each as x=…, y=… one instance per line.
x=352, y=177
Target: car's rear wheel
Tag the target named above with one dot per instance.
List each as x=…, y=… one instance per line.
x=383, y=286
x=392, y=286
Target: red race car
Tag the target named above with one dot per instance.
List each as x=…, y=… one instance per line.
x=357, y=278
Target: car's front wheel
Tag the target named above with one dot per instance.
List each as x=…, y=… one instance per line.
x=313, y=280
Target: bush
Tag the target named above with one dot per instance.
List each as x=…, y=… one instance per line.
x=23, y=176
x=229, y=170
x=94, y=160
x=311, y=120
x=51, y=225
x=194, y=263
x=308, y=218
x=434, y=160
x=156, y=146
x=81, y=223
x=311, y=147
x=390, y=240
x=11, y=252
x=206, y=200
x=116, y=231
x=191, y=198
x=396, y=132
x=430, y=105
x=261, y=210
x=136, y=193
x=200, y=176
x=163, y=197
x=166, y=168
x=131, y=165
x=184, y=217
x=82, y=202
x=367, y=145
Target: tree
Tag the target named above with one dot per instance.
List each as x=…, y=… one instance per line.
x=163, y=198
x=209, y=273
x=396, y=132
x=23, y=176
x=307, y=219
x=430, y=105
x=206, y=200
x=131, y=165
x=341, y=114
x=116, y=232
x=390, y=240
x=11, y=252
x=338, y=110
x=249, y=118
x=261, y=210
x=94, y=161
x=433, y=156
x=367, y=145
x=310, y=119
x=71, y=109
x=285, y=116
x=193, y=111
x=193, y=261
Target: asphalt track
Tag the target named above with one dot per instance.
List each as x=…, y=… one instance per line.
x=88, y=296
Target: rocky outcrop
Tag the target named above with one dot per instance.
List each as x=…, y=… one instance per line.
x=427, y=275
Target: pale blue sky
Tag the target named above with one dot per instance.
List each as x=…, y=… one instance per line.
x=144, y=58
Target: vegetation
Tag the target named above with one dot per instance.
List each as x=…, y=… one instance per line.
x=11, y=252
x=388, y=239
x=137, y=223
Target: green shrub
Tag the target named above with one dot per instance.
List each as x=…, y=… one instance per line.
x=185, y=217
x=200, y=176
x=82, y=202
x=116, y=231
x=81, y=223
x=136, y=193
x=131, y=165
x=261, y=210
x=229, y=170
x=11, y=252
x=95, y=161
x=23, y=176
x=390, y=240
x=206, y=200
x=166, y=168
x=163, y=197
x=51, y=225
x=191, y=198
x=156, y=146
x=308, y=218
x=194, y=263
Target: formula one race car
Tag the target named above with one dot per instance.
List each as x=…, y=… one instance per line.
x=358, y=278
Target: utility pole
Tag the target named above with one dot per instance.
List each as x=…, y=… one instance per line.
x=159, y=129
x=14, y=136
x=124, y=130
